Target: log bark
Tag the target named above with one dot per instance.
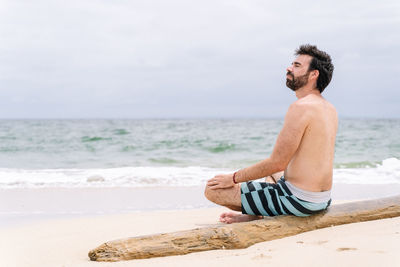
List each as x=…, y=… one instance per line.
x=243, y=235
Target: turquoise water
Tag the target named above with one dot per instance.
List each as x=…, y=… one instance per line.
x=141, y=152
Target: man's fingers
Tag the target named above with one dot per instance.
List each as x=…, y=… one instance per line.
x=212, y=182
x=216, y=186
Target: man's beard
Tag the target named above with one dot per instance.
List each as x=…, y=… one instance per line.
x=297, y=82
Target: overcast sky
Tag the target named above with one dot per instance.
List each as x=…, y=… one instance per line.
x=179, y=59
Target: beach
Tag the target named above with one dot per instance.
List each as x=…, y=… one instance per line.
x=115, y=117
x=68, y=186
x=66, y=242
x=50, y=237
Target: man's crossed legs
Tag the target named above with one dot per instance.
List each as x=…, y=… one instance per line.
x=231, y=198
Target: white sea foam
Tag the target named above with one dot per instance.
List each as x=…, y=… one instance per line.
x=111, y=177
x=386, y=173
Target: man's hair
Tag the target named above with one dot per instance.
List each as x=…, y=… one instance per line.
x=320, y=61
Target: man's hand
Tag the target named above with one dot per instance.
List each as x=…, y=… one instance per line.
x=221, y=181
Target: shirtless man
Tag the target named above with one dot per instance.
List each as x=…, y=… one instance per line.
x=303, y=152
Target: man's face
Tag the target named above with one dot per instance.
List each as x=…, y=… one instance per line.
x=297, y=74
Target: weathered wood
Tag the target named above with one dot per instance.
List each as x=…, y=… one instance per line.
x=243, y=235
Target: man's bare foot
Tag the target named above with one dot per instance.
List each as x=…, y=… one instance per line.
x=232, y=217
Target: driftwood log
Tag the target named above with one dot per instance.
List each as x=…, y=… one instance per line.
x=243, y=235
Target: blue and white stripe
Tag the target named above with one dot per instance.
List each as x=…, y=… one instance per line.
x=266, y=199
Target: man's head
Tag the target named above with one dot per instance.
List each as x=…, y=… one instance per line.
x=311, y=66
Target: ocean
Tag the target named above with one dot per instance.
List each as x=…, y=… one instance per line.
x=175, y=152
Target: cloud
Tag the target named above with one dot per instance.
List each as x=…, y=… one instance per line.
x=184, y=58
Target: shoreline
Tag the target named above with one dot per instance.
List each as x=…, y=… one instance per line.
x=25, y=205
x=22, y=205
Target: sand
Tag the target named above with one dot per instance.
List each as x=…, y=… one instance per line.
x=66, y=242
x=59, y=226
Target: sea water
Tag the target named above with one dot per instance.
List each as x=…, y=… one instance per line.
x=143, y=153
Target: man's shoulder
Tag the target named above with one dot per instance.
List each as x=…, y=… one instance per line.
x=302, y=105
x=299, y=111
x=310, y=110
x=311, y=102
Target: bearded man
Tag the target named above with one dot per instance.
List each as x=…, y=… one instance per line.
x=302, y=156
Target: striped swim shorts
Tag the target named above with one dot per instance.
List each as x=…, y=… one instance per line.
x=267, y=199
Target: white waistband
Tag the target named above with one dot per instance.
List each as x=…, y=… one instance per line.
x=316, y=197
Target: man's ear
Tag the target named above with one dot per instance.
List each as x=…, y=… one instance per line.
x=314, y=74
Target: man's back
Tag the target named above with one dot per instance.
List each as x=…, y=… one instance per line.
x=311, y=166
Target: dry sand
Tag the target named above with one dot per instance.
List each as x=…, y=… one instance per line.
x=66, y=242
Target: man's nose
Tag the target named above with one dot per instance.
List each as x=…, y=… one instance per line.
x=289, y=69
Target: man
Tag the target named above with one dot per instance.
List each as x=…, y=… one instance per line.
x=304, y=150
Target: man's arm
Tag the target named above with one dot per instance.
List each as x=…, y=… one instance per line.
x=296, y=122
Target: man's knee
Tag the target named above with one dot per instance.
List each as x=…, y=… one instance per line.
x=228, y=196
x=209, y=193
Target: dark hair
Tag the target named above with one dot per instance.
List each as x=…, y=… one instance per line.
x=320, y=61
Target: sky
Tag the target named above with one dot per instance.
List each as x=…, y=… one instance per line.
x=192, y=59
